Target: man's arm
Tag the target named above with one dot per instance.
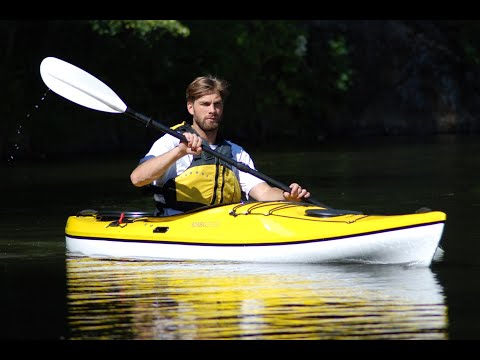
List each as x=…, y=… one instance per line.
x=154, y=168
x=265, y=192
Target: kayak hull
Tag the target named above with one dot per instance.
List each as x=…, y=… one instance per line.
x=273, y=232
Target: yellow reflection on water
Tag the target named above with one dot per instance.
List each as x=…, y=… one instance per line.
x=205, y=300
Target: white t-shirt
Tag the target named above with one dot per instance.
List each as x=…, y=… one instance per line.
x=167, y=142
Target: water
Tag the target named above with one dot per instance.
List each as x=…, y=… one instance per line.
x=48, y=294
x=210, y=301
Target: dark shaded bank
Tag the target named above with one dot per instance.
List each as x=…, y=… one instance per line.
x=297, y=82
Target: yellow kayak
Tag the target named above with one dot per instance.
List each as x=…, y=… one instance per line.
x=270, y=232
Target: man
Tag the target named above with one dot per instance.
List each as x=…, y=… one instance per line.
x=185, y=177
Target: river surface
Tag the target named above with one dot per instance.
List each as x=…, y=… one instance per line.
x=48, y=294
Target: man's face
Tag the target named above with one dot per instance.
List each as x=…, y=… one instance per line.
x=207, y=111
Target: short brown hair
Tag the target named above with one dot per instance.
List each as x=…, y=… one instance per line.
x=204, y=85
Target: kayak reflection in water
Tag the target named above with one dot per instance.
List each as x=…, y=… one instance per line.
x=184, y=177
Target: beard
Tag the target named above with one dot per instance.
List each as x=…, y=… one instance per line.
x=207, y=125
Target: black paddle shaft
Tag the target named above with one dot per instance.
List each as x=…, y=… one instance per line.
x=148, y=121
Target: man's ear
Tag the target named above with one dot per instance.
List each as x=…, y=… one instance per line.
x=190, y=107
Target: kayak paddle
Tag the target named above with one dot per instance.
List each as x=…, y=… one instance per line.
x=84, y=89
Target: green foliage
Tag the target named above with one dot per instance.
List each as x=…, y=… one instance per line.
x=276, y=51
x=340, y=64
x=466, y=38
x=140, y=28
x=471, y=52
x=291, y=80
x=264, y=60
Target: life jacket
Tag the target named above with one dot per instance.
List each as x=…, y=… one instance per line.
x=207, y=181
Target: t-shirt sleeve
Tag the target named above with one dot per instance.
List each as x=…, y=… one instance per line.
x=161, y=146
x=166, y=143
x=145, y=158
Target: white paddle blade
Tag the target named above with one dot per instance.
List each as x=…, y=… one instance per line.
x=79, y=86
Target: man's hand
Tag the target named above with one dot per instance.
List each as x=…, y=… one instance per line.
x=296, y=194
x=193, y=145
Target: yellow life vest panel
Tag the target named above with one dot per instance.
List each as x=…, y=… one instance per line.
x=207, y=181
